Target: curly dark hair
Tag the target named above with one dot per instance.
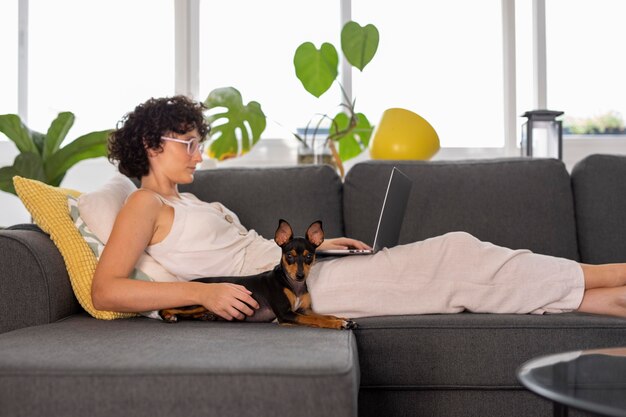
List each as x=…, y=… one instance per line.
x=143, y=127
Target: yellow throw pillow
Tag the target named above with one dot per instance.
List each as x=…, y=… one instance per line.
x=48, y=206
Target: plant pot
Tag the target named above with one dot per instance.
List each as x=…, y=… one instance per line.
x=317, y=152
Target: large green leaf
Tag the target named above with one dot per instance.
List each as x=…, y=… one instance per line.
x=355, y=141
x=316, y=69
x=30, y=165
x=27, y=165
x=14, y=129
x=6, y=179
x=91, y=145
x=359, y=44
x=38, y=139
x=57, y=132
x=248, y=120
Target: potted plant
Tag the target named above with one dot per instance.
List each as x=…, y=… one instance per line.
x=41, y=156
x=317, y=70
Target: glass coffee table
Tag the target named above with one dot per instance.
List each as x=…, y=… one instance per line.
x=589, y=380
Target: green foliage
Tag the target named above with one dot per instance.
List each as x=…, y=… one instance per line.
x=41, y=156
x=317, y=70
x=232, y=117
x=359, y=44
x=352, y=141
x=610, y=122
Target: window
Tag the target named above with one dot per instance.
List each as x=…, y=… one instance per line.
x=440, y=59
x=97, y=59
x=586, y=63
x=8, y=69
x=250, y=45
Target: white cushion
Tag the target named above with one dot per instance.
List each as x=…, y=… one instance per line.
x=98, y=209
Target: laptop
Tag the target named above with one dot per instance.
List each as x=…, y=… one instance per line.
x=390, y=219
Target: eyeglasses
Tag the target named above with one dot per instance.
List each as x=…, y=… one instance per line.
x=193, y=144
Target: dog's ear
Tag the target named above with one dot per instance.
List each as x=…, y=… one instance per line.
x=315, y=233
x=283, y=234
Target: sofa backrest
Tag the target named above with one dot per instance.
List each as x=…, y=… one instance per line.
x=599, y=184
x=262, y=196
x=518, y=203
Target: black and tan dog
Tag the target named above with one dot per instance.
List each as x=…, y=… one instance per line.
x=281, y=292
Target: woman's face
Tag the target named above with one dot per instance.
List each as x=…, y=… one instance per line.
x=175, y=161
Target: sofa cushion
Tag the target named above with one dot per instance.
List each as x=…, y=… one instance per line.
x=599, y=184
x=518, y=203
x=466, y=350
x=82, y=366
x=100, y=207
x=262, y=196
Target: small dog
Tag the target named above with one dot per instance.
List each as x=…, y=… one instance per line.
x=281, y=292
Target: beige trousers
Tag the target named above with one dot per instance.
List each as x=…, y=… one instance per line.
x=446, y=274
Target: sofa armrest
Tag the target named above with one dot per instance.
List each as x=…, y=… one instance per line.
x=34, y=285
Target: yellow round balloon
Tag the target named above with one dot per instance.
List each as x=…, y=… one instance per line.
x=402, y=134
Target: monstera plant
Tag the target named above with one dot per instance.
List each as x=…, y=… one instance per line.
x=230, y=117
x=317, y=70
x=41, y=156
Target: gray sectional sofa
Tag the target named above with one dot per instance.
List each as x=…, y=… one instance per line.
x=55, y=360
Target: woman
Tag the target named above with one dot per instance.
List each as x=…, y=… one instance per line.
x=160, y=142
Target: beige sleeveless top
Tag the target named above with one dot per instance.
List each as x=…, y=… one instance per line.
x=207, y=239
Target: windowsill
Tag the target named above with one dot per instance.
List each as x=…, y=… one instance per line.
x=282, y=152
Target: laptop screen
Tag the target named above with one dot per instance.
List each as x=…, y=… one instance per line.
x=393, y=210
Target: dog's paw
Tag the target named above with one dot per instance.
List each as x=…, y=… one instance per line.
x=167, y=316
x=349, y=325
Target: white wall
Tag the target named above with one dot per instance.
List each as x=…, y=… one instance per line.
x=91, y=174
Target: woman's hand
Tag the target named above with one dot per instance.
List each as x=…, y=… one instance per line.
x=343, y=243
x=229, y=301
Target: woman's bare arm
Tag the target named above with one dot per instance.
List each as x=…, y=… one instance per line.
x=343, y=243
x=133, y=231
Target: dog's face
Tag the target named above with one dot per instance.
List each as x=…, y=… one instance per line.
x=298, y=252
